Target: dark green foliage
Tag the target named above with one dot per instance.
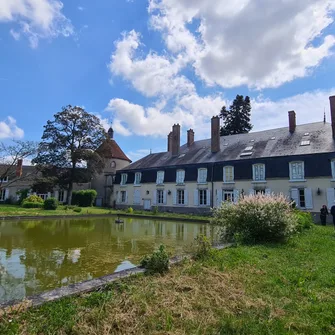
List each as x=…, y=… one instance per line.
x=29, y=204
x=23, y=194
x=77, y=209
x=155, y=210
x=158, y=262
x=236, y=120
x=305, y=220
x=50, y=204
x=203, y=247
x=84, y=198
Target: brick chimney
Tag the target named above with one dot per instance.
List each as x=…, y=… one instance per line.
x=190, y=137
x=169, y=142
x=215, y=138
x=19, y=168
x=332, y=113
x=292, y=121
x=175, y=139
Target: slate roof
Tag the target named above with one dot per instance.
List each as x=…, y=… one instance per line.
x=269, y=143
x=111, y=149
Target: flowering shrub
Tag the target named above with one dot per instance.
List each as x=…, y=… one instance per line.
x=257, y=218
x=34, y=198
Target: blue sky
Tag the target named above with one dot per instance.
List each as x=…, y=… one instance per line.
x=145, y=65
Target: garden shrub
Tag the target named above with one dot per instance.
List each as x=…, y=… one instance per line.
x=155, y=210
x=130, y=210
x=203, y=247
x=258, y=218
x=29, y=204
x=50, y=204
x=304, y=219
x=34, y=198
x=84, y=198
x=23, y=194
x=157, y=262
x=77, y=209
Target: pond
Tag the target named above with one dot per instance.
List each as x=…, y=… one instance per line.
x=40, y=255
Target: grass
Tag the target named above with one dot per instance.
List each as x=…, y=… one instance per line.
x=14, y=210
x=263, y=289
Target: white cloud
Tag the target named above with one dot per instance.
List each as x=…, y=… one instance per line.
x=261, y=43
x=81, y=8
x=16, y=35
x=9, y=129
x=37, y=19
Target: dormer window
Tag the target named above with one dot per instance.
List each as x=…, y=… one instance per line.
x=138, y=176
x=160, y=177
x=4, y=179
x=297, y=171
x=258, y=172
x=124, y=177
x=202, y=176
x=180, y=176
x=228, y=174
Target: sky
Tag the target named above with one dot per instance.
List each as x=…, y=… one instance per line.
x=144, y=65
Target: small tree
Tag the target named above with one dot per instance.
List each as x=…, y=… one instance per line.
x=236, y=120
x=67, y=153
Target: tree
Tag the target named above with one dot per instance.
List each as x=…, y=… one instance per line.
x=11, y=158
x=236, y=120
x=67, y=153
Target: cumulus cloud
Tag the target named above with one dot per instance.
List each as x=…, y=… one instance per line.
x=36, y=19
x=9, y=129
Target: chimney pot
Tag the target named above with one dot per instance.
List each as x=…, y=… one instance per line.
x=332, y=113
x=215, y=130
x=292, y=121
x=190, y=137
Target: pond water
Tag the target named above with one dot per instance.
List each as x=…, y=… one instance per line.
x=40, y=255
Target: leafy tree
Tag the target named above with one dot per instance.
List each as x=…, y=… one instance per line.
x=236, y=120
x=11, y=155
x=67, y=153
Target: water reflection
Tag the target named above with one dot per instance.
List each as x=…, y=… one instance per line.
x=39, y=255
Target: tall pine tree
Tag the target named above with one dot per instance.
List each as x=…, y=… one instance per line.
x=236, y=120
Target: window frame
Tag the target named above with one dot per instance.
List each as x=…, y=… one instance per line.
x=202, y=179
x=4, y=179
x=158, y=197
x=125, y=197
x=228, y=192
x=204, y=197
x=2, y=194
x=160, y=181
x=180, y=177
x=225, y=180
x=302, y=178
x=254, y=168
x=137, y=182
x=180, y=191
x=124, y=178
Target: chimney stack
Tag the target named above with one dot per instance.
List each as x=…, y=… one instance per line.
x=215, y=138
x=169, y=142
x=175, y=139
x=332, y=113
x=292, y=121
x=19, y=168
x=190, y=137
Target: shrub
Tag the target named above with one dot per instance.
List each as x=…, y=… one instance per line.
x=34, y=198
x=23, y=194
x=155, y=210
x=84, y=198
x=77, y=209
x=258, y=218
x=157, y=262
x=203, y=247
x=130, y=210
x=304, y=220
x=29, y=204
x=50, y=204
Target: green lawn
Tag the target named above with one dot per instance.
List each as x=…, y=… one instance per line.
x=264, y=289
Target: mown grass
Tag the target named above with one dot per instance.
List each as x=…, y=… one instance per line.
x=264, y=289
x=14, y=210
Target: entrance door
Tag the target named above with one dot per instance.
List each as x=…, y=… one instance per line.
x=147, y=204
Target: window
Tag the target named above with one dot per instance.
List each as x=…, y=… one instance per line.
x=228, y=174
x=180, y=197
x=124, y=177
x=203, y=197
x=123, y=196
x=259, y=191
x=180, y=176
x=160, y=197
x=137, y=196
x=258, y=172
x=113, y=164
x=160, y=177
x=4, y=179
x=61, y=195
x=302, y=200
x=44, y=196
x=228, y=195
x=333, y=168
x=302, y=197
x=2, y=194
x=138, y=176
x=202, y=176
x=297, y=171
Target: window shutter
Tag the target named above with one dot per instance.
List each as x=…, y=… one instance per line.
x=330, y=197
x=218, y=197
x=185, y=197
x=155, y=198
x=56, y=194
x=175, y=197
x=6, y=193
x=126, y=197
x=118, y=197
x=236, y=196
x=164, y=197
x=308, y=198
x=208, y=198
x=195, y=198
x=65, y=196
x=251, y=191
x=295, y=195
x=333, y=168
x=49, y=195
x=267, y=191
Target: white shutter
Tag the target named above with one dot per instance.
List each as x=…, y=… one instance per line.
x=56, y=195
x=295, y=195
x=330, y=197
x=208, y=198
x=195, y=198
x=126, y=197
x=6, y=193
x=251, y=191
x=155, y=198
x=65, y=196
x=175, y=197
x=236, y=195
x=48, y=195
x=164, y=197
x=218, y=197
x=308, y=198
x=267, y=191
x=185, y=197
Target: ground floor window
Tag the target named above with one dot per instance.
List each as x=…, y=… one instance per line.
x=302, y=200
x=228, y=196
x=137, y=197
x=44, y=196
x=2, y=194
x=180, y=197
x=160, y=197
x=259, y=191
x=61, y=194
x=302, y=197
x=203, y=197
x=123, y=196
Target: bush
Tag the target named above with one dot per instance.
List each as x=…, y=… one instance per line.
x=203, y=247
x=304, y=219
x=29, y=204
x=23, y=194
x=84, y=198
x=130, y=210
x=155, y=210
x=50, y=204
x=77, y=209
x=158, y=262
x=258, y=218
x=34, y=198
